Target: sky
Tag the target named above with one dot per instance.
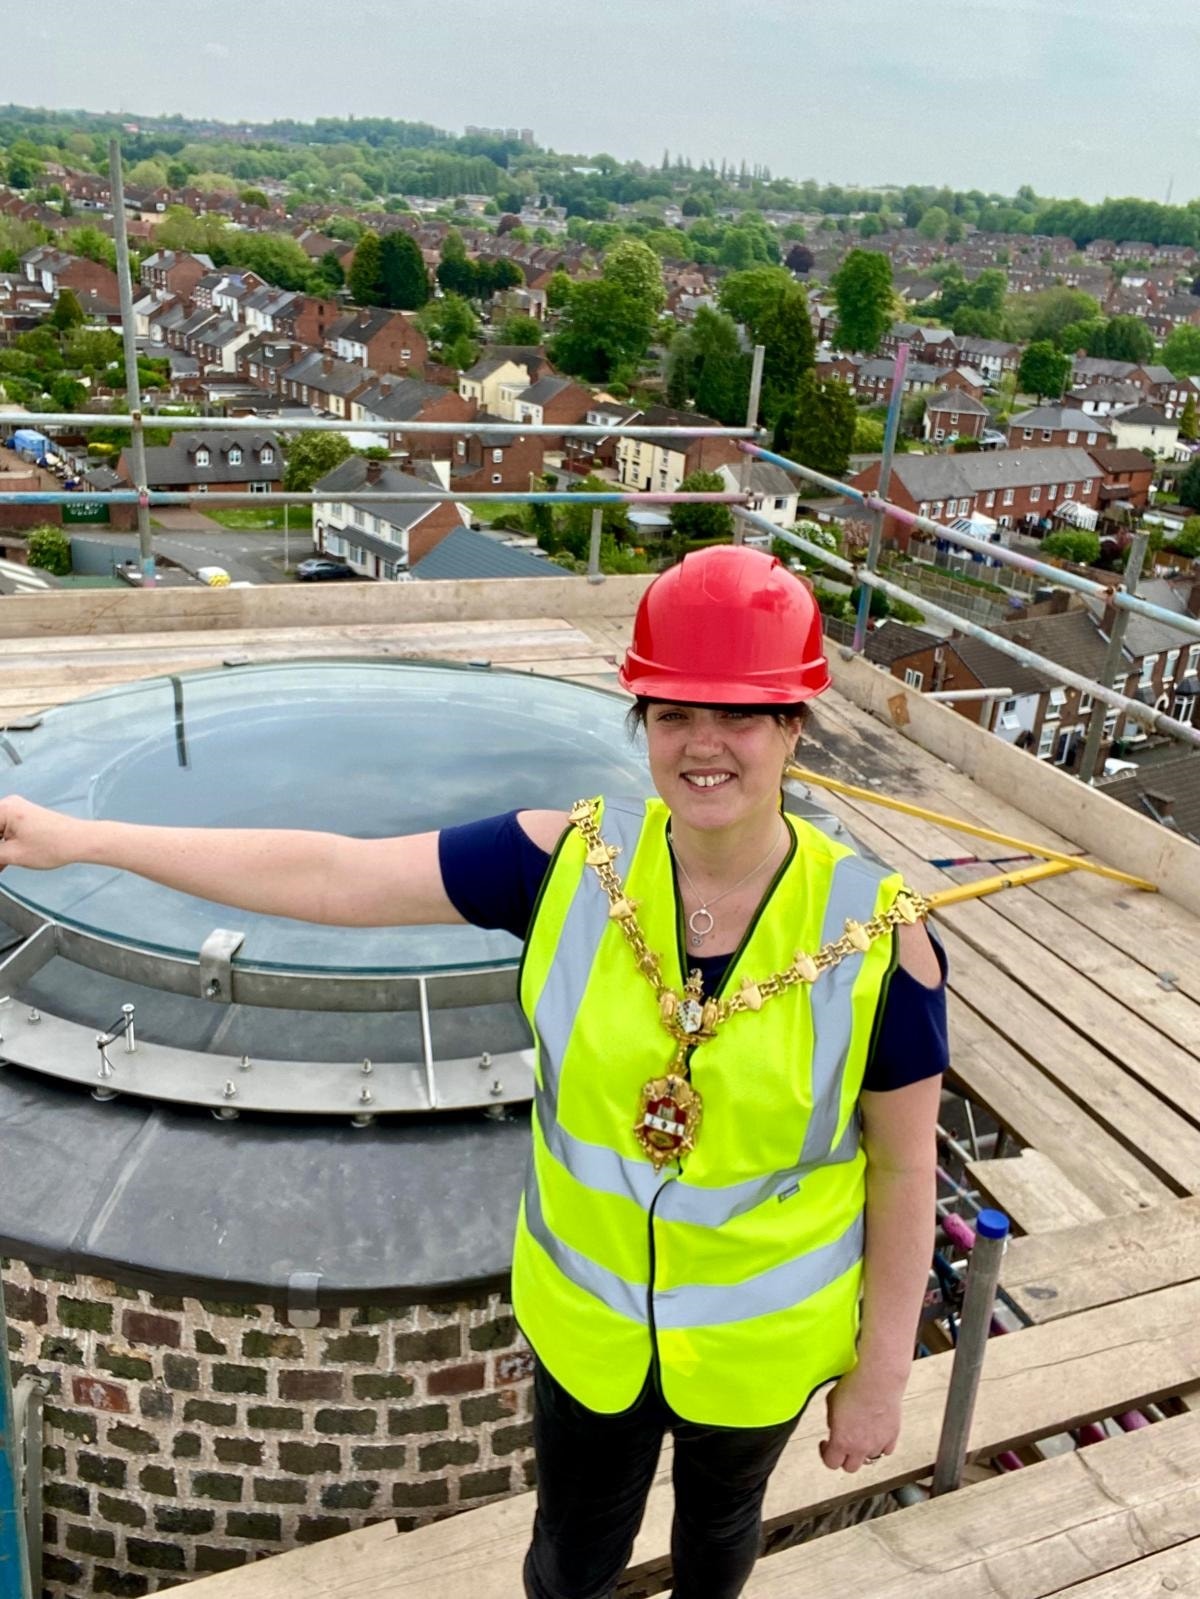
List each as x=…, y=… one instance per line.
x=1076, y=97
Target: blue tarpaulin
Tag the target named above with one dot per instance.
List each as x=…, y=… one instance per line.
x=28, y=441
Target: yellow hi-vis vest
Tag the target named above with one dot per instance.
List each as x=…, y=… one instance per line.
x=738, y=1272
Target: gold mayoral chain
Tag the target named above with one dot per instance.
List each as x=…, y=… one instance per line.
x=669, y=1119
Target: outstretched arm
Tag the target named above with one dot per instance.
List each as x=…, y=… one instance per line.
x=313, y=877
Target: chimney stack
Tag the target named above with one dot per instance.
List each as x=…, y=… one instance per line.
x=1164, y=804
x=1193, y=599
x=374, y=471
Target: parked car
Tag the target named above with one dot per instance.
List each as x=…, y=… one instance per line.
x=321, y=569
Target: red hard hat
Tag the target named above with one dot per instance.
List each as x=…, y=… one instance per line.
x=727, y=626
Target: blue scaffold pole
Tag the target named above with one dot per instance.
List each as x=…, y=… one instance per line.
x=14, y=1560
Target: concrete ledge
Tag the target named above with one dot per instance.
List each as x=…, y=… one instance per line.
x=314, y=605
x=1095, y=823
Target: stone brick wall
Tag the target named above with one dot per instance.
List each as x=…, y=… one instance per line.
x=187, y=1436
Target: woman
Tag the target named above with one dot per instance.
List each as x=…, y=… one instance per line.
x=739, y=1028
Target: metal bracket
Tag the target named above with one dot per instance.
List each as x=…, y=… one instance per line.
x=216, y=964
x=302, y=1308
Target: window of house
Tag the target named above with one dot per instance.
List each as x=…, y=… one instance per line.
x=914, y=679
x=781, y=502
x=939, y=434
x=1027, y=433
x=1052, y=492
x=1170, y=665
x=923, y=508
x=990, y=499
x=260, y=488
x=937, y=508
x=1046, y=741
x=1092, y=437
x=202, y=457
x=266, y=455
x=1110, y=724
x=460, y=446
x=1072, y=437
x=1087, y=485
x=1068, y=490
x=1193, y=659
x=954, y=419
x=201, y=488
x=406, y=355
x=497, y=455
x=1149, y=662
x=1047, y=435
x=358, y=517
x=1054, y=707
x=1085, y=704
x=235, y=456
x=1035, y=495
x=497, y=477
x=1184, y=705
x=1008, y=496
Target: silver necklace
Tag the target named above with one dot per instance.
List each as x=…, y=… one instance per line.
x=702, y=921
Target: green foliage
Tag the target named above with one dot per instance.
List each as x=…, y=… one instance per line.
x=558, y=290
x=608, y=323
x=1187, y=540
x=521, y=330
x=1044, y=370
x=311, y=455
x=709, y=523
x=1041, y=317
x=402, y=268
x=868, y=436
x=94, y=246
x=255, y=197
x=1125, y=338
x=817, y=427
x=49, y=549
x=1189, y=422
x=1181, y=352
x=366, y=271
x=862, y=288
x=934, y=223
x=708, y=369
x=1075, y=545
x=1188, y=486
x=67, y=312
x=774, y=310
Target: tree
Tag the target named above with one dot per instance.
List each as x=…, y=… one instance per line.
x=1128, y=339
x=1076, y=545
x=862, y=288
x=608, y=323
x=366, y=271
x=573, y=525
x=67, y=312
x=1044, y=370
x=558, y=290
x=748, y=296
x=1187, y=540
x=868, y=435
x=311, y=455
x=785, y=332
x=1189, y=486
x=67, y=393
x=94, y=246
x=148, y=174
x=799, y=259
x=817, y=427
x=637, y=272
x=708, y=368
x=702, y=522
x=1044, y=316
x=49, y=549
x=255, y=197
x=1181, y=352
x=521, y=330
x=933, y=224
x=1189, y=422
x=402, y=268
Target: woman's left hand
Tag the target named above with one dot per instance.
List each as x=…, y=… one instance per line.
x=863, y=1411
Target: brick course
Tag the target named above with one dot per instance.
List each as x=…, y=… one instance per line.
x=179, y=1431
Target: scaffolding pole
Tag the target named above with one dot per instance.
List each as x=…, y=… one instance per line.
x=14, y=1555
x=1112, y=657
x=890, y=432
x=752, y=404
x=325, y=424
x=133, y=392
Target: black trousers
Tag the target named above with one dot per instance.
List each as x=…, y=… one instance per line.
x=595, y=1471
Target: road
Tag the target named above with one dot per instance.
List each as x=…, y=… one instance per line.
x=247, y=557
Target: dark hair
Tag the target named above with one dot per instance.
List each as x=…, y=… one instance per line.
x=635, y=717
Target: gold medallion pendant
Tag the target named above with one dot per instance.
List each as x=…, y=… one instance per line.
x=669, y=1120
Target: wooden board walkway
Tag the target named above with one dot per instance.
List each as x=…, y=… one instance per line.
x=1036, y=1382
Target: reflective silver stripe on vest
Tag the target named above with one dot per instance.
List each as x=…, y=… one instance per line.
x=778, y=1289
x=626, y=1298
x=852, y=893
x=566, y=982
x=606, y=1171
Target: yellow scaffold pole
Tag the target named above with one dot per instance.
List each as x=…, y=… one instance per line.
x=1065, y=862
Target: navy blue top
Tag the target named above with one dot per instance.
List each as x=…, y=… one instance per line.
x=492, y=872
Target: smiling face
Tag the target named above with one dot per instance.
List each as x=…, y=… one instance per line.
x=717, y=768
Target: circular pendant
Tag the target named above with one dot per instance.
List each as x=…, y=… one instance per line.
x=701, y=923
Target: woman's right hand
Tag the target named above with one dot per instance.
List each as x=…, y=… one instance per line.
x=31, y=835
